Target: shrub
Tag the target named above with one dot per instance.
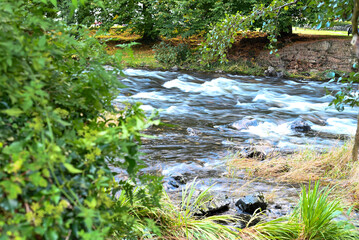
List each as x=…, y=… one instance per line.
x=56, y=148
x=170, y=55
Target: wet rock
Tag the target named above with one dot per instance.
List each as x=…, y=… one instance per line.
x=250, y=204
x=184, y=172
x=174, y=68
x=171, y=184
x=314, y=119
x=257, y=152
x=280, y=74
x=300, y=125
x=216, y=205
x=245, y=123
x=246, y=220
x=270, y=72
x=193, y=132
x=178, y=177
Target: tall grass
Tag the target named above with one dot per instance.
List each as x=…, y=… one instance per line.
x=177, y=222
x=314, y=218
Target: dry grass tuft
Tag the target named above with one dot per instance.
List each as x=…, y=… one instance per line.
x=302, y=166
x=333, y=166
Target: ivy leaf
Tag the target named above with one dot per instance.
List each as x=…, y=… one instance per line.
x=71, y=168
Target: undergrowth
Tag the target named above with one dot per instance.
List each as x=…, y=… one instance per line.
x=315, y=217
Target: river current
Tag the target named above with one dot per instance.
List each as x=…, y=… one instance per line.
x=203, y=106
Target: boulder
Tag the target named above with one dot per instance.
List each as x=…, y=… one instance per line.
x=245, y=123
x=271, y=72
x=178, y=177
x=314, y=119
x=280, y=74
x=174, y=68
x=300, y=125
x=193, y=132
x=217, y=205
x=258, y=152
x=252, y=203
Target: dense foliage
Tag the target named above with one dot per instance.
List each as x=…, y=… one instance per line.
x=275, y=18
x=170, y=55
x=58, y=149
x=154, y=18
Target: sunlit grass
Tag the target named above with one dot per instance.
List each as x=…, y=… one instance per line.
x=307, y=31
x=313, y=218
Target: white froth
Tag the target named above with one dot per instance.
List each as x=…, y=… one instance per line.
x=338, y=126
x=183, y=85
x=147, y=108
x=177, y=109
x=142, y=73
x=216, y=87
x=151, y=95
x=268, y=129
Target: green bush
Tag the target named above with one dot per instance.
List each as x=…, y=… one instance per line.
x=57, y=148
x=170, y=55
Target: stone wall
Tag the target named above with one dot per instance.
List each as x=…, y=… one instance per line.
x=321, y=55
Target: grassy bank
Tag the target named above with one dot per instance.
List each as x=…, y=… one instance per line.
x=333, y=167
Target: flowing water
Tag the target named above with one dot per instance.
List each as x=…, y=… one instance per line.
x=203, y=106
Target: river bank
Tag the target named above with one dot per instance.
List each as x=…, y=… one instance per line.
x=313, y=57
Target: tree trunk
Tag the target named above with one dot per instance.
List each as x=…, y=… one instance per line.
x=355, y=17
x=150, y=34
x=355, y=43
x=356, y=143
x=287, y=31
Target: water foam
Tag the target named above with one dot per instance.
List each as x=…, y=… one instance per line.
x=216, y=87
x=338, y=126
x=151, y=95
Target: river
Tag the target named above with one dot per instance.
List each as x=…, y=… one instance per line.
x=203, y=106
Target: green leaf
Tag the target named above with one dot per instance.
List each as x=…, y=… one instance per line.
x=11, y=188
x=54, y=2
x=14, y=112
x=71, y=168
x=75, y=3
x=52, y=235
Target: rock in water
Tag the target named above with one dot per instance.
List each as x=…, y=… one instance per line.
x=271, y=72
x=193, y=132
x=245, y=123
x=299, y=125
x=257, y=152
x=314, y=119
x=250, y=204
